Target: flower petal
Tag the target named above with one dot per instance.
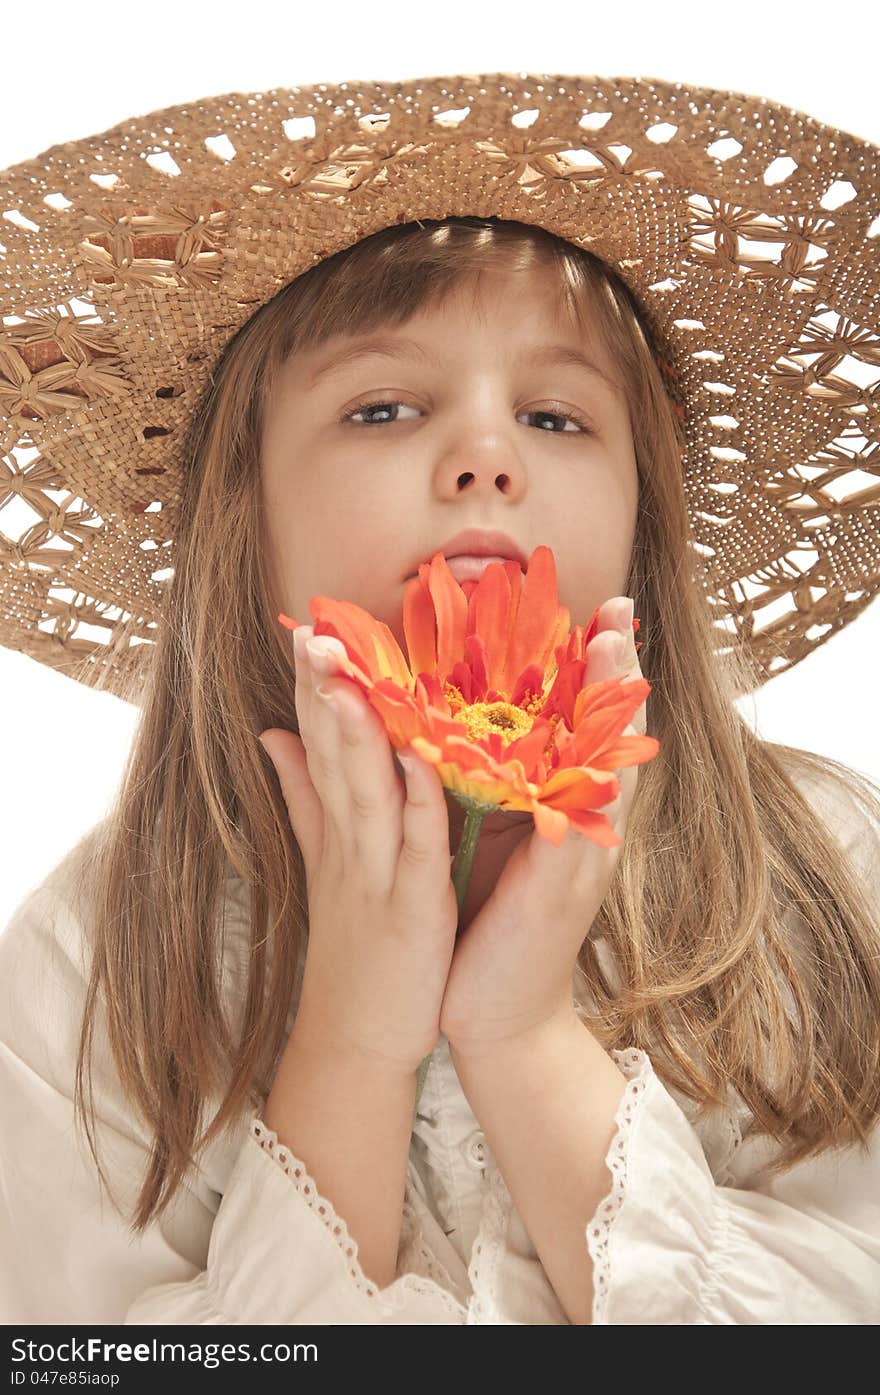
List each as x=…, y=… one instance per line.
x=420, y=627
x=503, y=639
x=537, y=616
x=550, y=823
x=490, y=615
x=596, y=827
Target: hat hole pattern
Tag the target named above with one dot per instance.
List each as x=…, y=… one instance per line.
x=221, y=146
x=451, y=117
x=163, y=162
x=716, y=209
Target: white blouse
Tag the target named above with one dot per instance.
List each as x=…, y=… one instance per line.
x=691, y=1231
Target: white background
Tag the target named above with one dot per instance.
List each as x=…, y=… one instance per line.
x=71, y=71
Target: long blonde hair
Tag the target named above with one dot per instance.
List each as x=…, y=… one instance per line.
x=719, y=842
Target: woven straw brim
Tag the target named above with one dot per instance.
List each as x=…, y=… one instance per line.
x=747, y=231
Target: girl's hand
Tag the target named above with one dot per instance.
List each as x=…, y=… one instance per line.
x=513, y=966
x=382, y=905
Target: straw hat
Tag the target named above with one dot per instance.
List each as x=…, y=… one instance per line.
x=747, y=232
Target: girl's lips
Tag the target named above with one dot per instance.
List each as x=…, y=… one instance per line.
x=469, y=568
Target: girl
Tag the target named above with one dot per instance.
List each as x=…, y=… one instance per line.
x=652, y=1077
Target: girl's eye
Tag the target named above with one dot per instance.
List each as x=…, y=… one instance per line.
x=373, y=407
x=367, y=407
x=570, y=417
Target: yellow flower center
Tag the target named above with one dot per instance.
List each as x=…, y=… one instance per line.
x=504, y=718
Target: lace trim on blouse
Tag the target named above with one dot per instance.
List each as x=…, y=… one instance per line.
x=636, y=1066
x=415, y=1247
x=488, y=1251
x=390, y=1299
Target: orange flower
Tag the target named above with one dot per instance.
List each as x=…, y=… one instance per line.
x=493, y=694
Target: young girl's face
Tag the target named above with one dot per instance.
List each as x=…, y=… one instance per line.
x=475, y=433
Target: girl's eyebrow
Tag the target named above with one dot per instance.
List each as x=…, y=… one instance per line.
x=545, y=356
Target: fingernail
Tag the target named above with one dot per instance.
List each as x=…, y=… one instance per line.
x=618, y=649
x=626, y=617
x=324, y=657
x=407, y=762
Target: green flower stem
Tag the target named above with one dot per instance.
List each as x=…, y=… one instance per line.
x=464, y=857
x=461, y=874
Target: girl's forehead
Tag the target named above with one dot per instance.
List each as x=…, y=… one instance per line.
x=519, y=311
x=520, y=306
